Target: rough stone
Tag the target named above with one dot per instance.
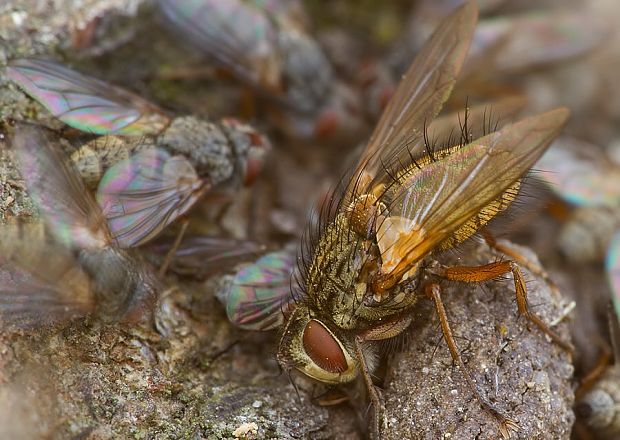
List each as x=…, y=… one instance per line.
x=525, y=375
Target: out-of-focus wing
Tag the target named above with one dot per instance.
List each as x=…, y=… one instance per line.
x=580, y=173
x=202, y=255
x=425, y=206
x=417, y=99
x=260, y=292
x=40, y=282
x=544, y=38
x=612, y=267
x=140, y=196
x=237, y=34
x=86, y=103
x=63, y=201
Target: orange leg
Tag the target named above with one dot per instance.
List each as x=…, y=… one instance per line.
x=433, y=291
x=521, y=259
x=491, y=271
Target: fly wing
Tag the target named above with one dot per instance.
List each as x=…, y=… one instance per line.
x=260, y=292
x=612, y=267
x=85, y=103
x=426, y=206
x=418, y=98
x=141, y=195
x=545, y=37
x=580, y=173
x=480, y=117
x=63, y=201
x=237, y=34
x=40, y=282
x=202, y=255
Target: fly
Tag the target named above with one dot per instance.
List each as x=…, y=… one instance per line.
x=153, y=167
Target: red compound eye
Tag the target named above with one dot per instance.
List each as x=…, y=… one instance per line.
x=323, y=349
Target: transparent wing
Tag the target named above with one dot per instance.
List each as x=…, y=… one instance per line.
x=85, y=103
x=418, y=98
x=203, y=255
x=63, y=201
x=40, y=282
x=545, y=37
x=140, y=196
x=580, y=173
x=428, y=204
x=612, y=267
x=260, y=292
x=476, y=119
x=237, y=34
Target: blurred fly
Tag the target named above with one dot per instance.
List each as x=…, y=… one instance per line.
x=72, y=266
x=265, y=45
x=585, y=177
x=373, y=257
x=153, y=168
x=504, y=47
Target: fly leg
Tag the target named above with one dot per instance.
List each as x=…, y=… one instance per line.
x=173, y=249
x=506, y=425
x=491, y=271
x=373, y=392
x=521, y=259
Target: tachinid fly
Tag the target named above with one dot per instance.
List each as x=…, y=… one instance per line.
x=153, y=168
x=373, y=256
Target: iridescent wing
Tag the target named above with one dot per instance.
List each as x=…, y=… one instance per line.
x=40, y=282
x=203, y=255
x=85, y=103
x=63, y=201
x=425, y=206
x=612, y=267
x=236, y=34
x=417, y=99
x=580, y=173
x=140, y=196
x=260, y=292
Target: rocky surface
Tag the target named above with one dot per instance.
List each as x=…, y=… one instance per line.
x=516, y=367
x=193, y=375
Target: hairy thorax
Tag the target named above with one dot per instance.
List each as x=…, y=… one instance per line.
x=339, y=276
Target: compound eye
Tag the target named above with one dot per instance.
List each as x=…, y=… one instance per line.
x=323, y=349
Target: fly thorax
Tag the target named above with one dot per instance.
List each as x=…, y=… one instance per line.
x=204, y=144
x=337, y=276
x=307, y=72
